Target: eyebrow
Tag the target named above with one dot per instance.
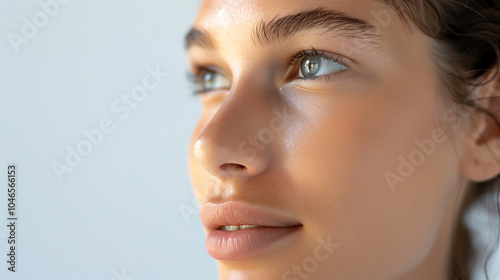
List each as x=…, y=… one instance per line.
x=282, y=28
x=199, y=37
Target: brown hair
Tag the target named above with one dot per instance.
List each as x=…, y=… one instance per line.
x=467, y=35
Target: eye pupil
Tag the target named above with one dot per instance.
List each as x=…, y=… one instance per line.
x=311, y=65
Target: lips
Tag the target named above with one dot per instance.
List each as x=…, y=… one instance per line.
x=240, y=230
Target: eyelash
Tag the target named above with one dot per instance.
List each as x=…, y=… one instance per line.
x=197, y=75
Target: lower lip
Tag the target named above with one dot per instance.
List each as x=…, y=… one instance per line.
x=245, y=243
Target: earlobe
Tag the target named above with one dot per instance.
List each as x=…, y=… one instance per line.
x=481, y=158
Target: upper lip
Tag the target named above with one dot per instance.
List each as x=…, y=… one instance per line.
x=216, y=215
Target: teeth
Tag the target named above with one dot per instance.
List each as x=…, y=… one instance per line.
x=235, y=228
x=246, y=226
x=231, y=228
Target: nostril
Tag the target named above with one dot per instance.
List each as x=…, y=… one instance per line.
x=232, y=167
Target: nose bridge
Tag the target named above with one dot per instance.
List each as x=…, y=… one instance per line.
x=237, y=140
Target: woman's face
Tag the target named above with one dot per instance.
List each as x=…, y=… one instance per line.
x=322, y=121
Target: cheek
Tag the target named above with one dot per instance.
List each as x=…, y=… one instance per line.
x=342, y=164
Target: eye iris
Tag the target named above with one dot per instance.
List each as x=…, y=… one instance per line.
x=208, y=80
x=311, y=65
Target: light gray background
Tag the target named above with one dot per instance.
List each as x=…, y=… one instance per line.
x=117, y=214
x=126, y=212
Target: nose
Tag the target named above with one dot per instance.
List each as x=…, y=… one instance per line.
x=235, y=141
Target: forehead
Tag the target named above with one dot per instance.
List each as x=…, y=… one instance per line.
x=231, y=25
x=215, y=14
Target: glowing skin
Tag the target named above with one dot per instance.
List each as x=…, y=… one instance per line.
x=320, y=150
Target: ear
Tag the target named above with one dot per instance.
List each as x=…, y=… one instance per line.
x=480, y=160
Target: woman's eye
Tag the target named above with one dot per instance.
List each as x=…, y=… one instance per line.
x=314, y=66
x=211, y=80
